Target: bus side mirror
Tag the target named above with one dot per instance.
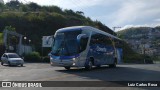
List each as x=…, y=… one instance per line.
x=80, y=36
x=82, y=41
x=50, y=54
x=53, y=40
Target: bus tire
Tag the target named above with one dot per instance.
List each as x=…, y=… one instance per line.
x=21, y=65
x=89, y=66
x=68, y=68
x=1, y=63
x=9, y=64
x=98, y=66
x=114, y=64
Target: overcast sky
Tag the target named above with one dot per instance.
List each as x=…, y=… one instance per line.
x=121, y=13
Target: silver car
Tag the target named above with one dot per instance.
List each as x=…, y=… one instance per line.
x=11, y=59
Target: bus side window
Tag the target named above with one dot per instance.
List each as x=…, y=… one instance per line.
x=100, y=39
x=93, y=39
x=108, y=41
x=118, y=43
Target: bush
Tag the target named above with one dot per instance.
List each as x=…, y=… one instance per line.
x=133, y=58
x=148, y=59
x=138, y=58
x=46, y=59
x=33, y=57
x=155, y=58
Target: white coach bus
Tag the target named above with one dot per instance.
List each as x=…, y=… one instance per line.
x=84, y=46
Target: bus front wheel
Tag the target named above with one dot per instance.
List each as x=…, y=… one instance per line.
x=89, y=66
x=68, y=68
x=1, y=63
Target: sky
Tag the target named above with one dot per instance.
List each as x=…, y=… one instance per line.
x=113, y=13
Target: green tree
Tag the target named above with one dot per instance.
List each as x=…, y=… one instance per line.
x=80, y=12
x=69, y=12
x=34, y=6
x=2, y=7
x=24, y=8
x=13, y=5
x=10, y=28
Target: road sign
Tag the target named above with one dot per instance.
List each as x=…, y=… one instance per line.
x=47, y=41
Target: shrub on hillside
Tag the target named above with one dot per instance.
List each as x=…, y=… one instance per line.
x=133, y=58
x=33, y=57
x=138, y=58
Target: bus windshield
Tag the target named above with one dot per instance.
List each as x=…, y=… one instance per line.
x=65, y=43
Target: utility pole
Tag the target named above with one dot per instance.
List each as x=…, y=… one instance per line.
x=25, y=38
x=114, y=29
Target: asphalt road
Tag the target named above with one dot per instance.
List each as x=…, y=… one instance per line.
x=45, y=72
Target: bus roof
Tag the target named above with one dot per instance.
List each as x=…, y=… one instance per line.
x=70, y=28
x=86, y=27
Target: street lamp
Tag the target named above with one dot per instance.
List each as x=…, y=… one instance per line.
x=24, y=43
x=29, y=41
x=25, y=38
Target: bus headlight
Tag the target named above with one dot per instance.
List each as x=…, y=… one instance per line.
x=51, y=58
x=73, y=59
x=74, y=64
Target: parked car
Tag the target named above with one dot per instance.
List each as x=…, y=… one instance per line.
x=11, y=59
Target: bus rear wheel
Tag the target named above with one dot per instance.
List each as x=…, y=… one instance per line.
x=98, y=66
x=89, y=66
x=68, y=68
x=113, y=65
x=1, y=63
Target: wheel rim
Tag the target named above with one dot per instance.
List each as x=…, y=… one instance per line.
x=90, y=65
x=9, y=63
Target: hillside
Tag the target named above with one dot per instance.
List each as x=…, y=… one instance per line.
x=143, y=40
x=36, y=21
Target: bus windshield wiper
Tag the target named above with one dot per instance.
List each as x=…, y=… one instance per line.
x=57, y=52
x=66, y=48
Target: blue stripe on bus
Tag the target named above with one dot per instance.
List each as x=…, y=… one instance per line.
x=65, y=57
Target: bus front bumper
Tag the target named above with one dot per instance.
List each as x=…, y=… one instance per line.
x=63, y=63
